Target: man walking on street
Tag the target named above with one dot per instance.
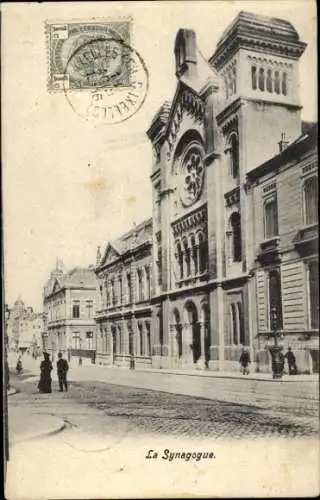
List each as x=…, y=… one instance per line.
x=62, y=369
x=291, y=361
x=244, y=362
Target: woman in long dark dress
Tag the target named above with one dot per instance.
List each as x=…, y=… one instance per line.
x=45, y=374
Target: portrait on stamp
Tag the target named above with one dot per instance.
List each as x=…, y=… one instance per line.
x=160, y=222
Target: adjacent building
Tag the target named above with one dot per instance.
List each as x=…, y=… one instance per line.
x=284, y=200
x=69, y=308
x=123, y=311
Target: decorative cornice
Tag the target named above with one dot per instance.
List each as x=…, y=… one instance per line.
x=232, y=197
x=230, y=111
x=187, y=222
x=277, y=48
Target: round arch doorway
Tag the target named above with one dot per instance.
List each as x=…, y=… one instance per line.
x=193, y=332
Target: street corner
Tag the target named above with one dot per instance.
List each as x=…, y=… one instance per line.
x=26, y=425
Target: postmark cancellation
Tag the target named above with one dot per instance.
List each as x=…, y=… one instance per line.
x=102, y=76
x=84, y=55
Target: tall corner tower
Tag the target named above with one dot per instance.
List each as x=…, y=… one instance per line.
x=258, y=59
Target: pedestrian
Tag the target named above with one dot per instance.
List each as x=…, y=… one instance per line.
x=291, y=361
x=62, y=370
x=45, y=381
x=80, y=361
x=244, y=362
x=19, y=365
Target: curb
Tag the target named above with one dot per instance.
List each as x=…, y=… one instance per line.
x=32, y=437
x=227, y=376
x=216, y=375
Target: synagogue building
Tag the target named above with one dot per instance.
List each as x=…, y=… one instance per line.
x=232, y=242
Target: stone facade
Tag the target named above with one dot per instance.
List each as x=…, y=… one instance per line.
x=123, y=313
x=205, y=142
x=225, y=120
x=69, y=308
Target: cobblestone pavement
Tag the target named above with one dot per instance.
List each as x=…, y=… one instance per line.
x=110, y=428
x=133, y=410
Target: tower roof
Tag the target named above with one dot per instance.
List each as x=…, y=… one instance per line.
x=258, y=32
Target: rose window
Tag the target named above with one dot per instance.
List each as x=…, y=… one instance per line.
x=192, y=176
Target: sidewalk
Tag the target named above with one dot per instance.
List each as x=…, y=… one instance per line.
x=25, y=425
x=33, y=365
x=252, y=376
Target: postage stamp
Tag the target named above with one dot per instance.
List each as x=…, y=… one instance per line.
x=102, y=76
x=84, y=55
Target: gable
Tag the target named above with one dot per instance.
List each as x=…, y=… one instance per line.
x=185, y=103
x=110, y=256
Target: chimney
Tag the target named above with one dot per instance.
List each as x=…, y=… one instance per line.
x=283, y=143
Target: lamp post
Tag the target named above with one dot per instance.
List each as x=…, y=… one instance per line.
x=276, y=355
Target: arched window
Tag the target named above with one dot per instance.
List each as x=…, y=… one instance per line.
x=275, y=299
x=203, y=253
x=179, y=256
x=113, y=294
x=226, y=86
x=284, y=84
x=230, y=82
x=148, y=340
x=277, y=82
x=234, y=80
x=310, y=195
x=120, y=290
x=234, y=156
x=140, y=285
x=234, y=325
x=235, y=226
x=148, y=288
x=269, y=80
x=271, y=218
x=254, y=77
x=128, y=287
x=140, y=340
x=186, y=252
x=194, y=254
x=261, y=79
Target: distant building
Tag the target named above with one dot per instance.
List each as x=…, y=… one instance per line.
x=25, y=327
x=123, y=312
x=69, y=307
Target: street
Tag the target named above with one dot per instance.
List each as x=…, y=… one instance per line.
x=111, y=419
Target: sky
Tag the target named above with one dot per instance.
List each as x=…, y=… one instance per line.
x=52, y=158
